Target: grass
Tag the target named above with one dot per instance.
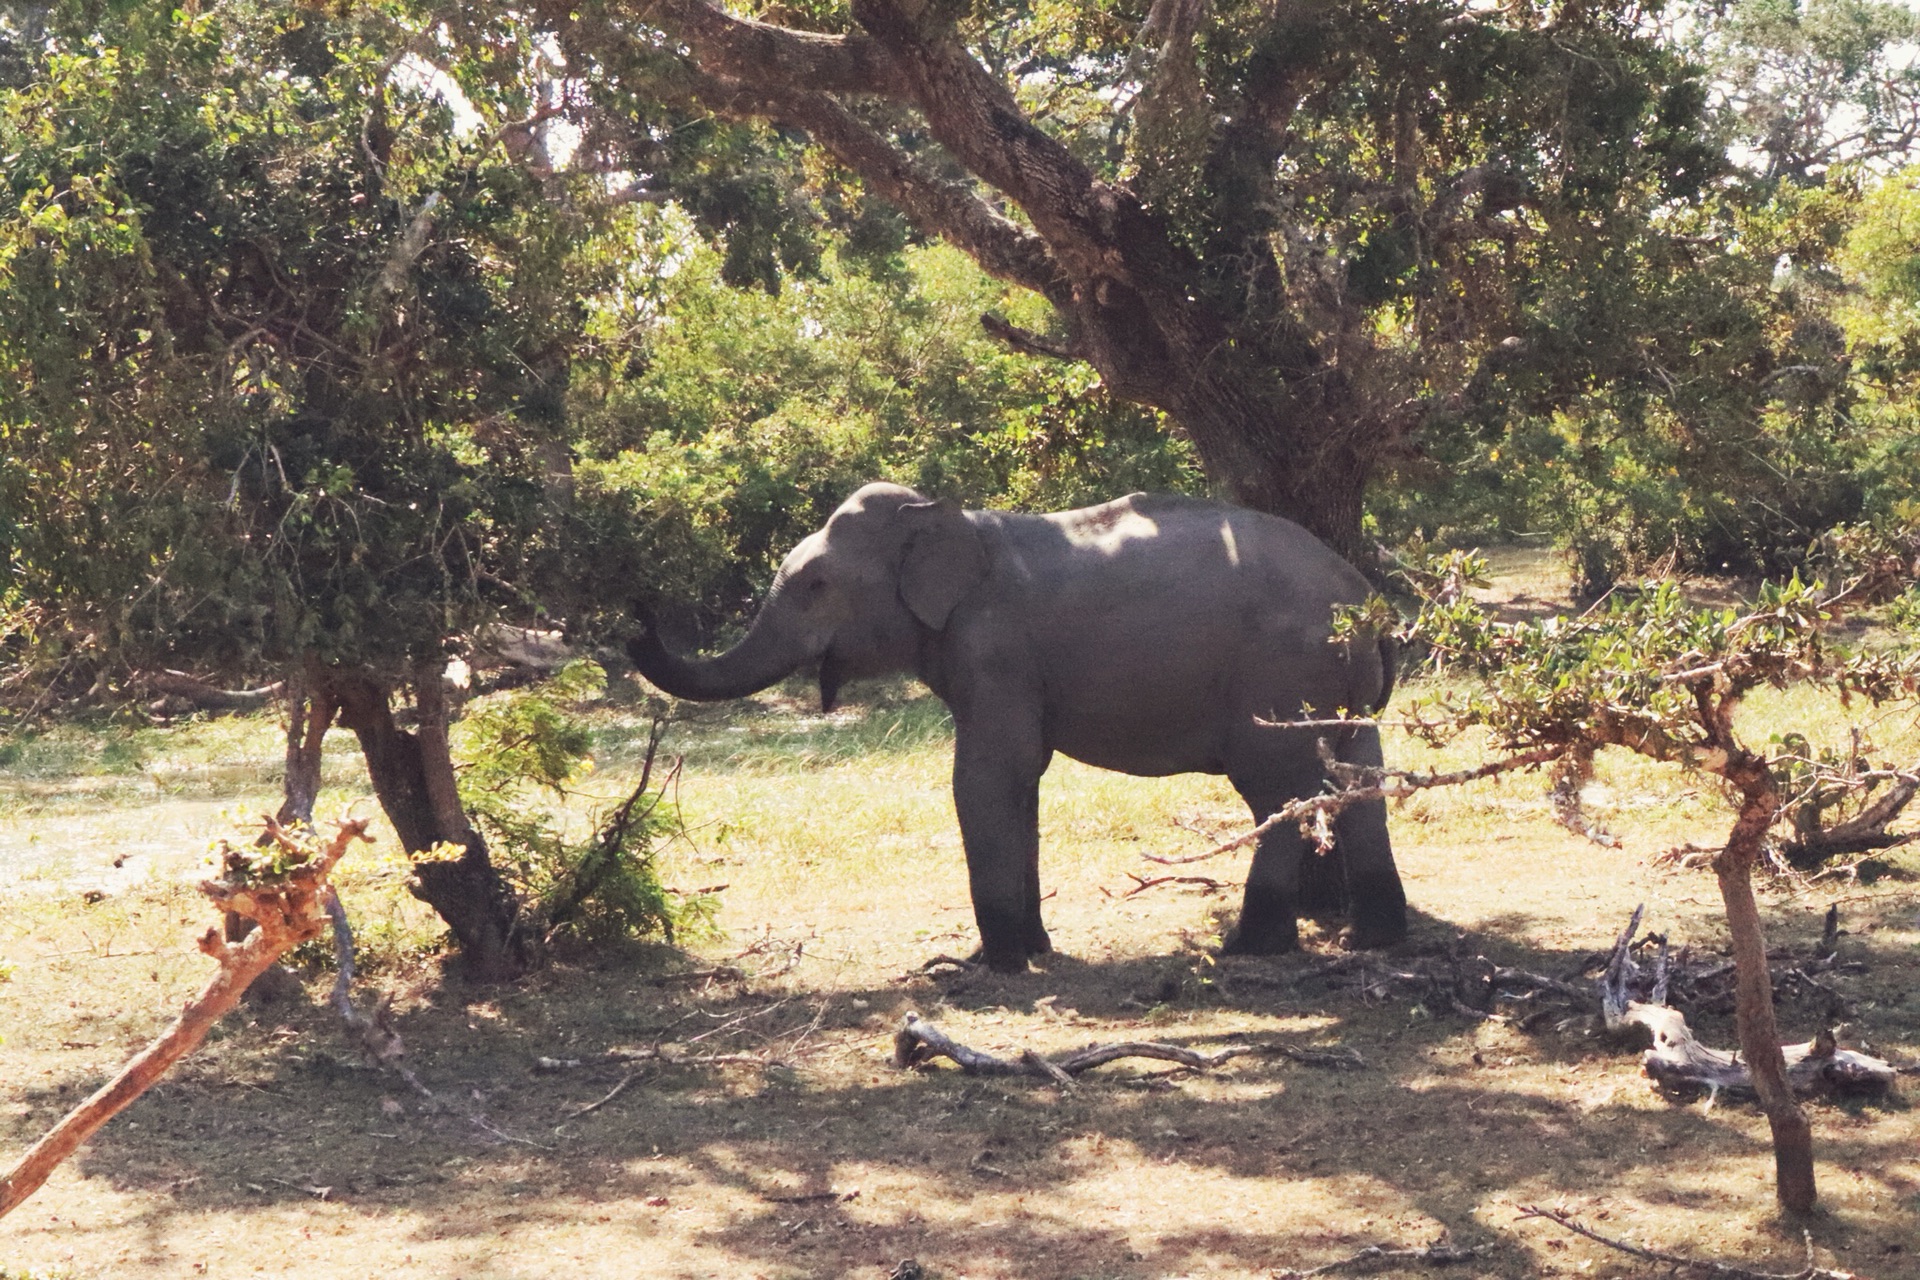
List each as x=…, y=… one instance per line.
x=835, y=841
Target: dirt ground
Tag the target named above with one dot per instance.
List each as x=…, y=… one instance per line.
x=274, y=1152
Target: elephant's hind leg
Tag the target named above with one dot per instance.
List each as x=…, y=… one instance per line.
x=1268, y=924
x=1376, y=898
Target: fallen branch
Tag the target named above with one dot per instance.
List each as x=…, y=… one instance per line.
x=210, y=697
x=1725, y=1269
x=1439, y=1254
x=919, y=1041
x=1337, y=1059
x=1680, y=1062
x=288, y=911
x=612, y=1093
x=1143, y=883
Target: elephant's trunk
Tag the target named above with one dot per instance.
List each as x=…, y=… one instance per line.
x=761, y=658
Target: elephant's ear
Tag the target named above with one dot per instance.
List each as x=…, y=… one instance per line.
x=944, y=560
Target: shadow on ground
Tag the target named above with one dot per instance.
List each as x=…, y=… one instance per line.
x=837, y=1160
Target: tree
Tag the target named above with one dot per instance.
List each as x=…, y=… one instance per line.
x=1652, y=675
x=1309, y=234
x=283, y=383
x=1816, y=84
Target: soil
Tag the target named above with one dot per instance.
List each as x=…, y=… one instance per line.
x=274, y=1152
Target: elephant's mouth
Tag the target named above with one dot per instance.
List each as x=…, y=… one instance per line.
x=833, y=674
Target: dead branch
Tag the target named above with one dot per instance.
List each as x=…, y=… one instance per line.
x=919, y=1041
x=210, y=697
x=1866, y=831
x=287, y=911
x=1725, y=1269
x=1336, y=1059
x=1678, y=1061
x=1142, y=883
x=1360, y=783
x=373, y=1035
x=407, y=250
x=612, y=1093
x=719, y=973
x=1439, y=1254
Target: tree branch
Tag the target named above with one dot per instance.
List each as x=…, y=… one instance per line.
x=1027, y=341
x=761, y=53
x=287, y=910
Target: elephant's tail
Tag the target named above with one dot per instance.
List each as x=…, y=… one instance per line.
x=1389, y=667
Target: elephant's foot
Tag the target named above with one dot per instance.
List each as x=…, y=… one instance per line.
x=1371, y=937
x=1255, y=942
x=1379, y=916
x=1007, y=941
x=1266, y=927
x=1006, y=960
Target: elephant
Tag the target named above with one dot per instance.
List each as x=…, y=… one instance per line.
x=1151, y=635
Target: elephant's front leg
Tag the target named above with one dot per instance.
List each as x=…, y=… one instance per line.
x=997, y=763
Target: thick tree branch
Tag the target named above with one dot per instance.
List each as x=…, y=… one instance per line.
x=1026, y=340
x=760, y=53
x=948, y=208
x=1098, y=231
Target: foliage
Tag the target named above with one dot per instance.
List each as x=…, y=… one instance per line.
x=523, y=745
x=1333, y=236
x=1653, y=675
x=1808, y=84
x=285, y=348
x=1647, y=671
x=725, y=425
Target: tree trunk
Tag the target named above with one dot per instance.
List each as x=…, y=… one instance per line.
x=310, y=715
x=1753, y=994
x=413, y=776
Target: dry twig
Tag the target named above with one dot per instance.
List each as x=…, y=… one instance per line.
x=1439, y=1254
x=1725, y=1269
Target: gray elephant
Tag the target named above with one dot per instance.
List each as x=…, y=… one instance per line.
x=1151, y=635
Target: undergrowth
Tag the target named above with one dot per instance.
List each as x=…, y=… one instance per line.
x=520, y=756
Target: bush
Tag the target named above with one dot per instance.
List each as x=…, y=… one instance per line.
x=522, y=746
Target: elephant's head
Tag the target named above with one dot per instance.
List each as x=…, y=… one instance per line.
x=857, y=596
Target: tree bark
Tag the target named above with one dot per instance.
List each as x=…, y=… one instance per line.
x=1753, y=994
x=310, y=715
x=412, y=774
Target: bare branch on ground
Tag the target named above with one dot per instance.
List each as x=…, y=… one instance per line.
x=1703, y=1265
x=1679, y=1061
x=1439, y=1254
x=919, y=1041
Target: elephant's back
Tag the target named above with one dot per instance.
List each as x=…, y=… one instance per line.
x=1168, y=621
x=1186, y=545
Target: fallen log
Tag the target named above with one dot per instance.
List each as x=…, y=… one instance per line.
x=210, y=697
x=919, y=1041
x=1677, y=1061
